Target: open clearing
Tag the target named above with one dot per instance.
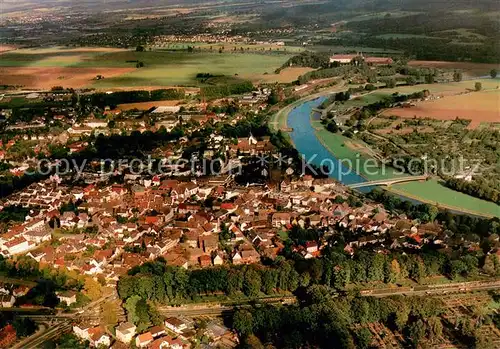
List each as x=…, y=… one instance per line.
x=30, y=68
x=475, y=106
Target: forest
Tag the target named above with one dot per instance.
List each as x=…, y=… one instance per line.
x=327, y=322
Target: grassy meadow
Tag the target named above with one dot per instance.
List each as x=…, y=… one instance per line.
x=161, y=67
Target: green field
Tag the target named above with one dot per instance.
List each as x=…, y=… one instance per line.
x=161, y=68
x=180, y=68
x=433, y=192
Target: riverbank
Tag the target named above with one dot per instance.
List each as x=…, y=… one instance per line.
x=279, y=121
x=321, y=144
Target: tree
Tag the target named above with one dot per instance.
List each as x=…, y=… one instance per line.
x=142, y=313
x=273, y=97
x=332, y=127
x=92, y=289
x=363, y=338
x=269, y=280
x=493, y=73
x=243, y=322
x=252, y=283
x=435, y=328
x=457, y=76
x=417, y=332
x=24, y=327
x=410, y=80
x=130, y=306
x=70, y=340
x=478, y=86
x=429, y=79
x=139, y=48
x=108, y=311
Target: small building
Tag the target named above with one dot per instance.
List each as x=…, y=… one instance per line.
x=125, y=332
x=157, y=331
x=218, y=260
x=67, y=296
x=175, y=324
x=98, y=337
x=7, y=301
x=142, y=340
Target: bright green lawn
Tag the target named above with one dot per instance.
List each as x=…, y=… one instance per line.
x=432, y=191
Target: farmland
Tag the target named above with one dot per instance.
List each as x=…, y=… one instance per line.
x=469, y=69
x=44, y=68
x=475, y=106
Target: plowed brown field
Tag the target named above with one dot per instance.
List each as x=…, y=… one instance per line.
x=46, y=77
x=475, y=106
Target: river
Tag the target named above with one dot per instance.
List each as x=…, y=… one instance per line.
x=307, y=143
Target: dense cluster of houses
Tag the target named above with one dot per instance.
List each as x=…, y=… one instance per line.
x=174, y=333
x=115, y=227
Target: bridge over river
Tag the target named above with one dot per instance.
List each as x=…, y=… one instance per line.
x=388, y=182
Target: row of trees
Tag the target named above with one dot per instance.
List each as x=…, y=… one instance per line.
x=327, y=322
x=102, y=100
x=307, y=59
x=163, y=283
x=473, y=188
x=221, y=91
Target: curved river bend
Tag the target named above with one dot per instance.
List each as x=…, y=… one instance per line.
x=306, y=142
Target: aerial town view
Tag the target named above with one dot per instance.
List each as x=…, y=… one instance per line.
x=195, y=174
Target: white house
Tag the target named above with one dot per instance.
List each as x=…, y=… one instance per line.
x=82, y=331
x=17, y=245
x=218, y=260
x=96, y=123
x=125, y=332
x=175, y=324
x=67, y=296
x=7, y=301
